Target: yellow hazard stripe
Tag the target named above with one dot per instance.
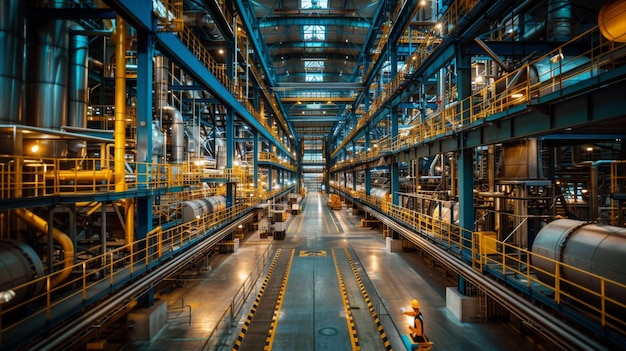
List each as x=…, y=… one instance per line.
x=255, y=305
x=354, y=337
x=269, y=340
x=370, y=305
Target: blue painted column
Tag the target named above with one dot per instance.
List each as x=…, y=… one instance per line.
x=143, y=204
x=368, y=176
x=256, y=158
x=466, y=159
x=230, y=154
x=230, y=126
x=394, y=170
x=145, y=53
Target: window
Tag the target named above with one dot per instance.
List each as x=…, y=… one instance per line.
x=314, y=32
x=314, y=4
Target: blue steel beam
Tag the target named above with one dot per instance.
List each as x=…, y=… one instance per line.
x=178, y=52
x=314, y=119
x=466, y=28
x=69, y=13
x=315, y=21
x=254, y=34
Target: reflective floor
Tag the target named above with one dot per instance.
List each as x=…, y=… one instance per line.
x=342, y=289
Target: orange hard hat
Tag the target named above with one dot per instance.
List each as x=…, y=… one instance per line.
x=415, y=304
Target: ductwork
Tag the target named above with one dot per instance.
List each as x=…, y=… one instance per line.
x=66, y=243
x=160, y=81
x=204, y=20
x=178, y=133
x=78, y=89
x=560, y=18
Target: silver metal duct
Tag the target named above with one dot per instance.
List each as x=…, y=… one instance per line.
x=78, y=89
x=178, y=133
x=77, y=83
x=160, y=81
x=560, y=17
x=204, y=20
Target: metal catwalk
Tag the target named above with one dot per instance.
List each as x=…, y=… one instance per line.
x=332, y=285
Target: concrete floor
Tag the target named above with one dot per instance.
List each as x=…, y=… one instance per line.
x=312, y=315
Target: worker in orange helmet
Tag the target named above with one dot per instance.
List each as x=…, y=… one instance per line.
x=417, y=329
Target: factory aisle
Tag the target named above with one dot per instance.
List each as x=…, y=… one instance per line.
x=312, y=312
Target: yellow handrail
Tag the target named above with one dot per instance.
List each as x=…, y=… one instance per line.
x=510, y=259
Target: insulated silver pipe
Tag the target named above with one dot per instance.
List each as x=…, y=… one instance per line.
x=77, y=84
x=178, y=133
x=560, y=18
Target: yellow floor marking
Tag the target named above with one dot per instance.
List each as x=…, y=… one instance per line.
x=309, y=253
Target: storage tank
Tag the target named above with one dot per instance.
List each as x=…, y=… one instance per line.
x=19, y=264
x=194, y=209
x=215, y=204
x=597, y=249
x=612, y=20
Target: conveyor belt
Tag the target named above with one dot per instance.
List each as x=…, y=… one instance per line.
x=257, y=332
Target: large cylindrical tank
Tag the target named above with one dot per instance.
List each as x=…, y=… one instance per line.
x=612, y=20
x=597, y=249
x=379, y=193
x=19, y=264
x=194, y=209
x=446, y=211
x=215, y=203
x=11, y=72
x=191, y=210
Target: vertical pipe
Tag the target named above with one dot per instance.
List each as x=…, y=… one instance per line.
x=560, y=17
x=120, y=104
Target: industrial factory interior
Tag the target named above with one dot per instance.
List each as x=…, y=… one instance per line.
x=312, y=175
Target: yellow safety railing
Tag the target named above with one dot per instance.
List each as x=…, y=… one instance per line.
x=272, y=157
x=509, y=259
x=117, y=264
x=237, y=90
x=618, y=186
x=22, y=176
x=446, y=24
x=517, y=88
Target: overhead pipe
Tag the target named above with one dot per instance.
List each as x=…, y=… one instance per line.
x=61, y=238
